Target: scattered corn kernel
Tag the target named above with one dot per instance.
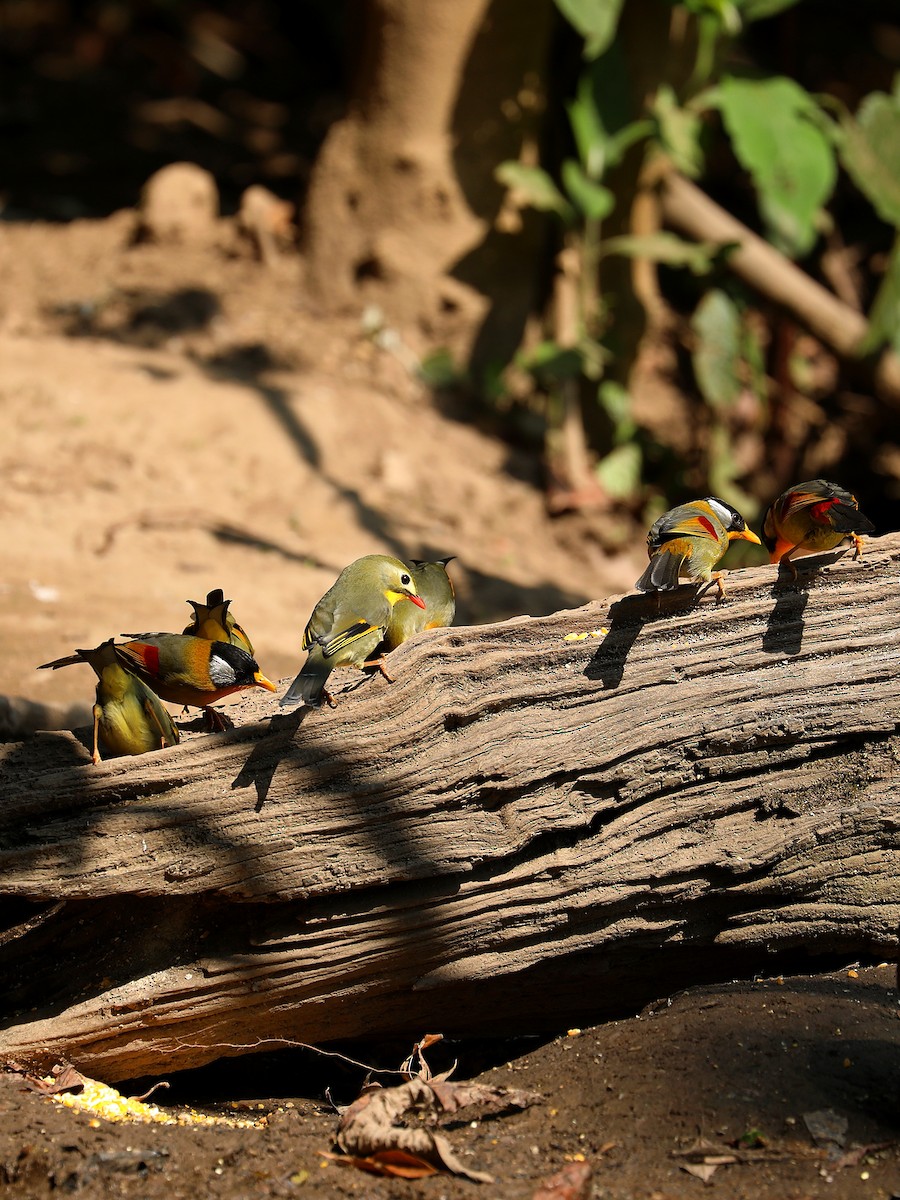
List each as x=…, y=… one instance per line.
x=104, y=1101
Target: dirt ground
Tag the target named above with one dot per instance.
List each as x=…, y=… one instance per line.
x=179, y=419
x=783, y=1089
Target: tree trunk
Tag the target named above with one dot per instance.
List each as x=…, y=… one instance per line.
x=403, y=202
x=541, y=822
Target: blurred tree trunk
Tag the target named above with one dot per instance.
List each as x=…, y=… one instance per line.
x=403, y=206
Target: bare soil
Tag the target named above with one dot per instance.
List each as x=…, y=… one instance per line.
x=178, y=419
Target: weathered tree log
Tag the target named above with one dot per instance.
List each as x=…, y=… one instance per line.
x=524, y=830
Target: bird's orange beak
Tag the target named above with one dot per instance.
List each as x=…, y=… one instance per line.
x=416, y=600
x=260, y=680
x=746, y=535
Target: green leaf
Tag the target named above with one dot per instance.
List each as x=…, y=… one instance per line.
x=534, y=187
x=600, y=111
x=616, y=403
x=549, y=362
x=757, y=10
x=725, y=12
x=870, y=150
x=440, y=370
x=666, y=248
x=679, y=132
x=774, y=131
x=620, y=471
x=595, y=20
x=884, y=316
x=717, y=325
x=592, y=200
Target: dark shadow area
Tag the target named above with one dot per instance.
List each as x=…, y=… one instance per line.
x=626, y=618
x=140, y=317
x=259, y=769
x=510, y=44
x=784, y=630
x=93, y=102
x=784, y=627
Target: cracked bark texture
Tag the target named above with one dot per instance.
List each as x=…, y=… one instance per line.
x=522, y=832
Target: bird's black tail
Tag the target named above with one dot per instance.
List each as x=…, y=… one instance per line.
x=308, y=685
x=661, y=574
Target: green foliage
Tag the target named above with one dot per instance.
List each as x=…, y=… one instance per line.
x=595, y=20
x=870, y=151
x=789, y=148
x=678, y=131
x=667, y=248
x=884, y=317
x=717, y=355
x=533, y=187
x=775, y=130
x=592, y=200
x=619, y=472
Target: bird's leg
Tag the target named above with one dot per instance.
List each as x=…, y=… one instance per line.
x=216, y=722
x=717, y=577
x=787, y=561
x=858, y=546
x=379, y=663
x=330, y=700
x=95, y=754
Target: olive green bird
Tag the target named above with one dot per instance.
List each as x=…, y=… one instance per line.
x=436, y=589
x=350, y=621
x=128, y=717
x=214, y=622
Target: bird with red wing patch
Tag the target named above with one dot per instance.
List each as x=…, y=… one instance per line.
x=811, y=518
x=688, y=541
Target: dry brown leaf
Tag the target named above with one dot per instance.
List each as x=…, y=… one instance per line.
x=389, y=1162
x=371, y=1125
x=66, y=1079
x=454, y=1096
x=423, y=1071
x=573, y=1182
x=704, y=1171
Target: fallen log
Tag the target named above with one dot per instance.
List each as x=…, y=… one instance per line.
x=541, y=822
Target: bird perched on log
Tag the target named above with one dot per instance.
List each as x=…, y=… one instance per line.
x=436, y=590
x=214, y=622
x=350, y=621
x=686, y=543
x=190, y=670
x=810, y=518
x=184, y=669
x=128, y=717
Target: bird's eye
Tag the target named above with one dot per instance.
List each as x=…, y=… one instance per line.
x=405, y=580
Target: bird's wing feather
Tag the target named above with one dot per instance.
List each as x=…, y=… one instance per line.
x=693, y=525
x=345, y=637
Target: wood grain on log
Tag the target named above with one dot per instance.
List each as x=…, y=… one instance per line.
x=520, y=832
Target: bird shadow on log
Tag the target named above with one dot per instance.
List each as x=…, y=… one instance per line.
x=784, y=630
x=259, y=769
x=626, y=618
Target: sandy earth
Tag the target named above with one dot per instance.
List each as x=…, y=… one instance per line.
x=179, y=419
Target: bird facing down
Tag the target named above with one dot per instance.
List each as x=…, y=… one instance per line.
x=191, y=670
x=184, y=669
x=436, y=589
x=128, y=717
x=214, y=622
x=686, y=543
x=350, y=621
x=811, y=518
